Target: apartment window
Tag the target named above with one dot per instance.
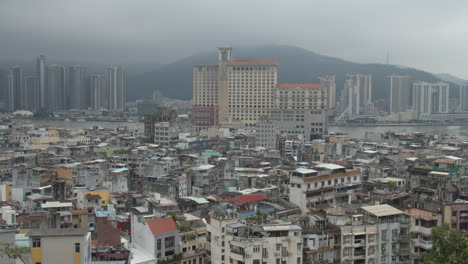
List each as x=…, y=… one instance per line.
x=77, y=247
x=278, y=247
x=347, y=239
x=371, y=250
x=299, y=246
x=383, y=249
x=36, y=242
x=383, y=235
x=299, y=260
x=347, y=251
x=383, y=259
x=395, y=234
x=256, y=249
x=158, y=244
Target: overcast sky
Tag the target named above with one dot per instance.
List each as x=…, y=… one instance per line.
x=427, y=34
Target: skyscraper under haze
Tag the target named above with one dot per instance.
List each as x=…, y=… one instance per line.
x=31, y=88
x=15, y=89
x=364, y=84
x=41, y=77
x=57, y=98
x=463, y=99
x=328, y=82
x=351, y=97
x=115, y=87
x=398, y=88
x=97, y=91
x=431, y=97
x=357, y=94
x=79, y=97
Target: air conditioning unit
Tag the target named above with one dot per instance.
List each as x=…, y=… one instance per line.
x=248, y=255
x=330, y=261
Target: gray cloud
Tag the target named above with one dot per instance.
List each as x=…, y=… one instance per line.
x=429, y=35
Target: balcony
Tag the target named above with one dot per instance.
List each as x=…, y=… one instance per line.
x=359, y=243
x=261, y=209
x=425, y=244
x=422, y=229
x=451, y=170
x=359, y=253
x=237, y=251
x=403, y=251
x=404, y=238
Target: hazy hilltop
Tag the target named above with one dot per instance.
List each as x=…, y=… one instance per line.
x=296, y=65
x=131, y=69
x=450, y=78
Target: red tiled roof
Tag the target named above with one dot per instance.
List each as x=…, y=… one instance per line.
x=90, y=196
x=106, y=234
x=444, y=161
x=161, y=226
x=27, y=218
x=251, y=61
x=302, y=85
x=246, y=199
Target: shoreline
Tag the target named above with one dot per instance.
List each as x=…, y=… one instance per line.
x=83, y=120
x=396, y=124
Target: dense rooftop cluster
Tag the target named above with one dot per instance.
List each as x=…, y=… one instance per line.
x=98, y=195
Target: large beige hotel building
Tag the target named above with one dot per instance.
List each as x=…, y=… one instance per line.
x=233, y=91
x=244, y=91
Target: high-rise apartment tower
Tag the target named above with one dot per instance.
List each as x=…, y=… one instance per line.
x=115, y=87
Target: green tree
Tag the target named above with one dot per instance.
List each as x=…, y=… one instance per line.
x=14, y=252
x=449, y=246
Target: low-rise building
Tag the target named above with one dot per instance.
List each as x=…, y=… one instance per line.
x=240, y=241
x=380, y=234
x=158, y=237
x=58, y=246
x=322, y=185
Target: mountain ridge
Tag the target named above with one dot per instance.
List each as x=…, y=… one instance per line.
x=296, y=65
x=451, y=78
